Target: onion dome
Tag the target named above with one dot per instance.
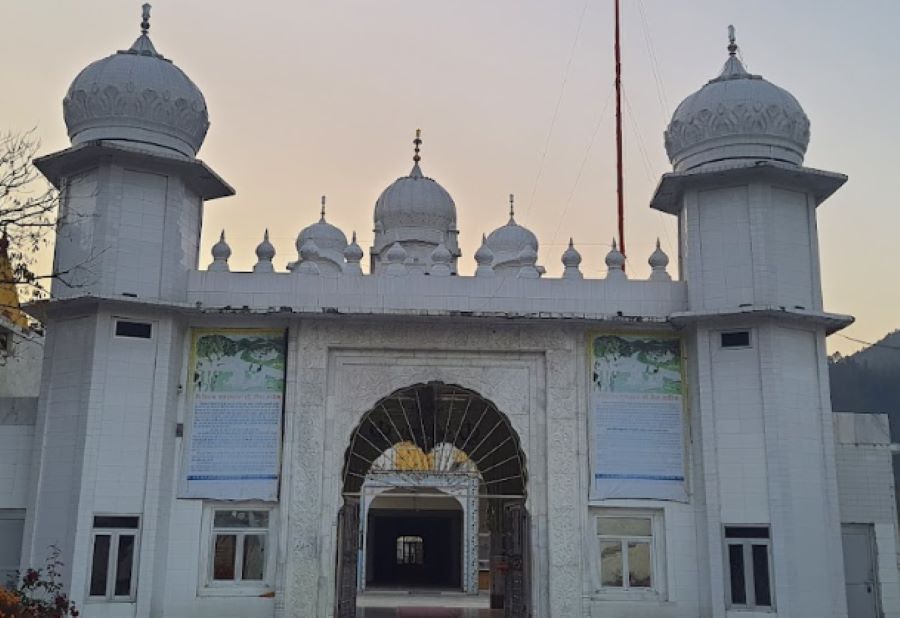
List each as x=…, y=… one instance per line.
x=353, y=254
x=309, y=256
x=484, y=257
x=139, y=97
x=508, y=242
x=220, y=252
x=658, y=262
x=417, y=212
x=329, y=240
x=615, y=263
x=737, y=117
x=528, y=258
x=440, y=262
x=265, y=253
x=571, y=259
x=396, y=259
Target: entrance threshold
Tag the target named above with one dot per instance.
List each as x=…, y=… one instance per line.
x=424, y=604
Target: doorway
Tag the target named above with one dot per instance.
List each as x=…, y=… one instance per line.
x=861, y=571
x=409, y=549
x=447, y=447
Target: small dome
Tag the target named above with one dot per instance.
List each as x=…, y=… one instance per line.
x=571, y=258
x=415, y=201
x=265, y=251
x=658, y=259
x=327, y=237
x=221, y=250
x=353, y=252
x=509, y=241
x=484, y=256
x=137, y=96
x=737, y=117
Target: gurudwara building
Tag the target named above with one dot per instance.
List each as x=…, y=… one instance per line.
x=283, y=442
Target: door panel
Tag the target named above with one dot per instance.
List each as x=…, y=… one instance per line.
x=860, y=571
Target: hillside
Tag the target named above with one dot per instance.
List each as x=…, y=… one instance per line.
x=869, y=381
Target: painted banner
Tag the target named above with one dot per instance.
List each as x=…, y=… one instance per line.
x=237, y=399
x=637, y=404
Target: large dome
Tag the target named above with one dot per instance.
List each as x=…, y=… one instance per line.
x=415, y=201
x=137, y=96
x=737, y=117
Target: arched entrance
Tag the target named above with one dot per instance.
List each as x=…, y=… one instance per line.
x=434, y=486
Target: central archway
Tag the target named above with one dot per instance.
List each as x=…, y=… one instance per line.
x=438, y=428
x=435, y=441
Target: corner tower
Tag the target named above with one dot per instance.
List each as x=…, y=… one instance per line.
x=132, y=191
x=755, y=328
x=132, y=195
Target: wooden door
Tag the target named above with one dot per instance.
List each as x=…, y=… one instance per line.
x=347, y=556
x=517, y=588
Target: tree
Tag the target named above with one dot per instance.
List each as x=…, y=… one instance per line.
x=28, y=212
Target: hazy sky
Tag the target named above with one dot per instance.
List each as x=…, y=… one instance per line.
x=309, y=98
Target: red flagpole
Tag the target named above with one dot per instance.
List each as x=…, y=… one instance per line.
x=619, y=181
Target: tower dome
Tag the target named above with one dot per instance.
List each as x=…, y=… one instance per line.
x=418, y=213
x=737, y=117
x=137, y=96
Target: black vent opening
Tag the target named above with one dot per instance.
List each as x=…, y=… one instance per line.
x=136, y=330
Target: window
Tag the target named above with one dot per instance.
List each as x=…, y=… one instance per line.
x=239, y=549
x=749, y=562
x=114, y=544
x=736, y=339
x=12, y=525
x=135, y=330
x=410, y=550
x=629, y=552
x=6, y=337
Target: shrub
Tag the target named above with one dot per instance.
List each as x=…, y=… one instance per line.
x=38, y=593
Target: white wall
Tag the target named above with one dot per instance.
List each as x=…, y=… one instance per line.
x=866, y=489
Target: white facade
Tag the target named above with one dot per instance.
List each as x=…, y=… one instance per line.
x=116, y=410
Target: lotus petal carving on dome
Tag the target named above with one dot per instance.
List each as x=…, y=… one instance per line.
x=150, y=107
x=738, y=119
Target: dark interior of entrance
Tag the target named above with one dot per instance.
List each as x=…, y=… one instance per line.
x=414, y=549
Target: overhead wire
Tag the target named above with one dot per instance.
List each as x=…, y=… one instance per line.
x=886, y=346
x=581, y=167
x=562, y=91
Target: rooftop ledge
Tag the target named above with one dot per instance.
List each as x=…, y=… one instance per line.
x=832, y=322
x=672, y=185
x=236, y=293
x=198, y=176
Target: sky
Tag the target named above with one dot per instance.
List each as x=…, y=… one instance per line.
x=311, y=98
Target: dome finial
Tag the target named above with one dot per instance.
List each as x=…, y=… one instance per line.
x=732, y=46
x=417, y=142
x=145, y=18
x=322, y=213
x=512, y=206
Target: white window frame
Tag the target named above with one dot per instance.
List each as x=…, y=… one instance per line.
x=236, y=587
x=115, y=533
x=657, y=590
x=121, y=318
x=749, y=584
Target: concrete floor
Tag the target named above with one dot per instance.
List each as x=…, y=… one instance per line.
x=438, y=604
